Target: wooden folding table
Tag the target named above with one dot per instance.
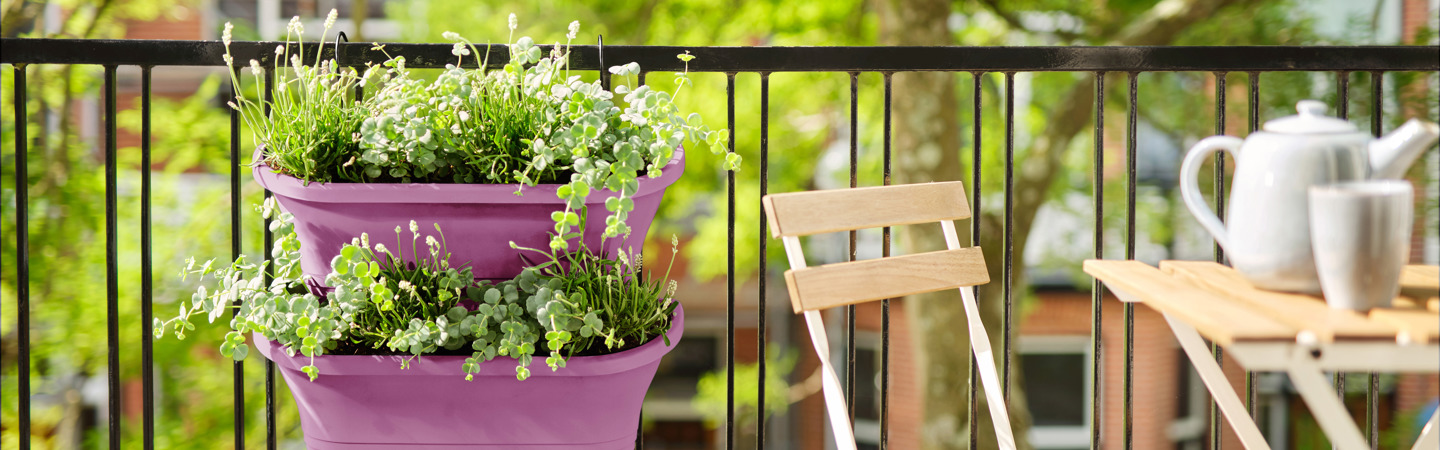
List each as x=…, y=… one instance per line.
x=1285, y=332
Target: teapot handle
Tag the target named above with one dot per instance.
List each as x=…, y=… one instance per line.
x=1190, y=187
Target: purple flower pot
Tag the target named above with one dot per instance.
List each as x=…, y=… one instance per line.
x=479, y=220
x=369, y=402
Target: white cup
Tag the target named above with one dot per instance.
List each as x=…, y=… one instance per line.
x=1360, y=235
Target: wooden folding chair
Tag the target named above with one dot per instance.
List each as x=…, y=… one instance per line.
x=814, y=288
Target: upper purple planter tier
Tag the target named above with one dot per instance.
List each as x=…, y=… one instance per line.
x=479, y=220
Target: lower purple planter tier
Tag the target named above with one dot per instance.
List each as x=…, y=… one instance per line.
x=369, y=402
x=479, y=220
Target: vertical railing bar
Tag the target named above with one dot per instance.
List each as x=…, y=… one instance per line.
x=1250, y=398
x=1215, y=350
x=975, y=128
x=269, y=246
x=605, y=76
x=1009, y=268
x=147, y=313
x=1129, y=378
x=1372, y=392
x=1219, y=189
x=730, y=276
x=885, y=304
x=764, y=225
x=1342, y=110
x=854, y=182
x=238, y=368
x=22, y=253
x=112, y=263
x=1342, y=88
x=1097, y=292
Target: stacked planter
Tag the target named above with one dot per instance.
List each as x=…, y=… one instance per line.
x=369, y=402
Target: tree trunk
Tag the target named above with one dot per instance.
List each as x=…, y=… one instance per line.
x=360, y=10
x=927, y=148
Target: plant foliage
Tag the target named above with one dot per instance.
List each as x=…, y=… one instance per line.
x=529, y=122
x=387, y=302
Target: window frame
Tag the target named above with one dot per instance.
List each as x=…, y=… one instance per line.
x=1063, y=436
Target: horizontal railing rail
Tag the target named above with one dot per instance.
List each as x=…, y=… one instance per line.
x=854, y=61
x=766, y=59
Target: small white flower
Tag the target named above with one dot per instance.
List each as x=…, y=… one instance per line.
x=513, y=22
x=229, y=61
x=380, y=248
x=330, y=19
x=295, y=26
x=225, y=36
x=431, y=242
x=279, y=50
x=414, y=228
x=574, y=29
x=255, y=67
x=450, y=36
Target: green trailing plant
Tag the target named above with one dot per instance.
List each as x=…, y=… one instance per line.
x=386, y=301
x=529, y=122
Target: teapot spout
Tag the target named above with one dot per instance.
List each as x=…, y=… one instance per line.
x=1392, y=154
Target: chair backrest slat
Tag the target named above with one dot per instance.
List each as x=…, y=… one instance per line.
x=847, y=283
x=814, y=212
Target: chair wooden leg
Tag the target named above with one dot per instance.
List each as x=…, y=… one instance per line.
x=830, y=384
x=985, y=361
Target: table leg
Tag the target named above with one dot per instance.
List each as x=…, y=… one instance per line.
x=1328, y=410
x=1429, y=438
x=1218, y=385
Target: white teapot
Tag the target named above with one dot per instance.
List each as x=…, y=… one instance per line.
x=1267, y=232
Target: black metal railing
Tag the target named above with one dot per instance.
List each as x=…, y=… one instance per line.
x=764, y=61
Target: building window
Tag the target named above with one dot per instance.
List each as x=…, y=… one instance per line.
x=867, y=385
x=673, y=423
x=1057, y=390
x=1191, y=408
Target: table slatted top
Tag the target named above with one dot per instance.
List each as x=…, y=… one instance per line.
x=1225, y=308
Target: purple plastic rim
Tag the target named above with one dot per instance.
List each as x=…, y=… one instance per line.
x=447, y=193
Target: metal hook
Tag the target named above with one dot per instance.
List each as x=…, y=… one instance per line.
x=600, y=54
x=341, y=38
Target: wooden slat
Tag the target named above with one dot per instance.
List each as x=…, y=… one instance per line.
x=1421, y=277
x=1422, y=326
x=846, y=283
x=814, y=212
x=1303, y=312
x=1218, y=318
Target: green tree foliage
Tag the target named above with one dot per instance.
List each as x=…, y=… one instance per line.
x=68, y=294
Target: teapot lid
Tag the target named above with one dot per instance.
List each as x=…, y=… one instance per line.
x=1310, y=120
